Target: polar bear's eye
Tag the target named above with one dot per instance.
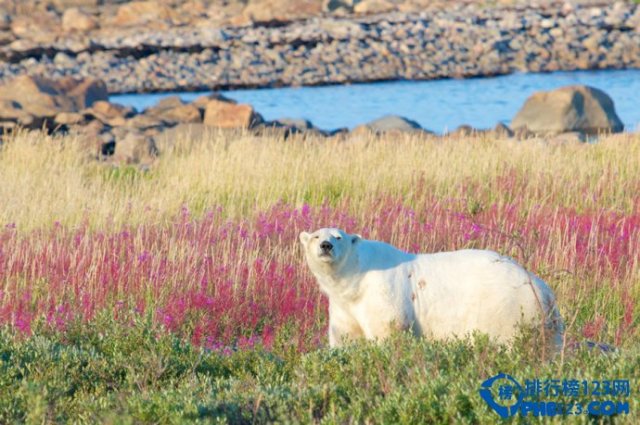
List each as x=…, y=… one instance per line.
x=338, y=237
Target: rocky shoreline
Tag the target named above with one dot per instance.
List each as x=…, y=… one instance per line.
x=464, y=40
x=122, y=135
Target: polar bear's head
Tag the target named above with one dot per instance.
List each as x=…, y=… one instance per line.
x=328, y=248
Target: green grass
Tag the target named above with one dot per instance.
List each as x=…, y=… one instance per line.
x=117, y=373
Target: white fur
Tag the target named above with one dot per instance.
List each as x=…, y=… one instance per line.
x=374, y=289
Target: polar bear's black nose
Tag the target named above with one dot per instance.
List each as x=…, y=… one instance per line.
x=326, y=246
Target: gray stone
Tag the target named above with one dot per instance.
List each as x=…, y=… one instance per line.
x=298, y=123
x=393, y=123
x=502, y=131
x=135, y=148
x=573, y=108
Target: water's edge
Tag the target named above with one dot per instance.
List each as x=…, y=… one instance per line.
x=438, y=105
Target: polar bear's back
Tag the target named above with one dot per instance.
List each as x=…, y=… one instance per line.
x=473, y=268
x=376, y=255
x=462, y=291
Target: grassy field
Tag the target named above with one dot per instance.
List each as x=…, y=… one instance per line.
x=179, y=293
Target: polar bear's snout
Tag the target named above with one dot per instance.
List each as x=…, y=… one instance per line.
x=326, y=247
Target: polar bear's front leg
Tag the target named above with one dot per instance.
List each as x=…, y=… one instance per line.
x=336, y=338
x=342, y=326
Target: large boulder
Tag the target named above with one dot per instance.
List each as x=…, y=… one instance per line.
x=573, y=108
x=223, y=114
x=42, y=98
x=35, y=95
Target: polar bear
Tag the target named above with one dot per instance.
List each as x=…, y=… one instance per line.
x=375, y=288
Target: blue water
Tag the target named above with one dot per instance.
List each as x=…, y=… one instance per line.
x=438, y=105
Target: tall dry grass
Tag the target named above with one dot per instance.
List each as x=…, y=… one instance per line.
x=46, y=180
x=206, y=239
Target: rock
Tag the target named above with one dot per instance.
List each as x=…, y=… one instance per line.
x=145, y=122
x=285, y=127
x=222, y=114
x=37, y=96
x=110, y=113
x=573, y=108
x=392, y=123
x=10, y=110
x=135, y=148
x=182, y=135
x=281, y=10
x=173, y=109
x=5, y=21
x=501, y=131
x=106, y=143
x=373, y=6
x=338, y=132
x=83, y=92
x=7, y=127
x=338, y=5
x=89, y=137
x=62, y=5
x=222, y=15
x=122, y=132
x=6, y=37
x=240, y=20
x=91, y=130
x=68, y=118
x=202, y=101
x=297, y=123
x=140, y=13
x=464, y=130
x=38, y=27
x=182, y=114
x=167, y=103
x=273, y=130
x=76, y=20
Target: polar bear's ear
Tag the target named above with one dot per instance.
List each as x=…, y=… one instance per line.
x=355, y=239
x=304, y=238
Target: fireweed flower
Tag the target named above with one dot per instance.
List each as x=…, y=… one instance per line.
x=237, y=283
